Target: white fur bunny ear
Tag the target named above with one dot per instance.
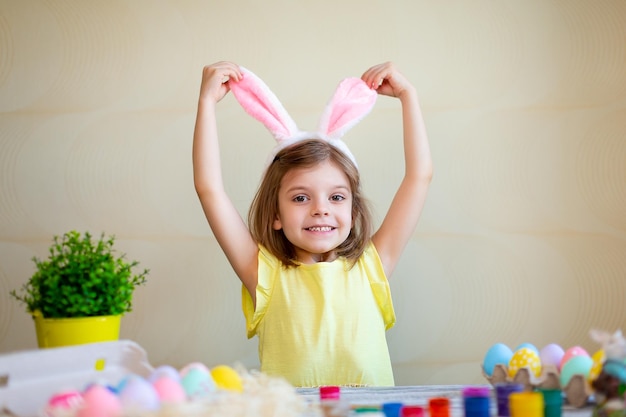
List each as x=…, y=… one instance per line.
x=352, y=101
x=260, y=102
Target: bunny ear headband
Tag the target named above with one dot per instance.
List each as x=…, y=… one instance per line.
x=350, y=103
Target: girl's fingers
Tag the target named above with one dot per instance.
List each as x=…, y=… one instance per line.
x=376, y=75
x=215, y=79
x=224, y=71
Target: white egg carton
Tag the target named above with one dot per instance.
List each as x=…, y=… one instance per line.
x=577, y=391
x=29, y=378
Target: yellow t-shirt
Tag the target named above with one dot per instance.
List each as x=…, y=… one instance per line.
x=323, y=323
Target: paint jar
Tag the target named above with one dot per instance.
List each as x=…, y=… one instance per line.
x=439, y=407
x=392, y=409
x=526, y=404
x=369, y=411
x=553, y=402
x=331, y=403
x=476, y=401
x=503, y=391
x=412, y=411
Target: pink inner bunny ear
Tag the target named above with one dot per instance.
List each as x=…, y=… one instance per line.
x=260, y=102
x=352, y=101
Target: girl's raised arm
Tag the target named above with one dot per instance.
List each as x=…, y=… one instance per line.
x=401, y=219
x=227, y=225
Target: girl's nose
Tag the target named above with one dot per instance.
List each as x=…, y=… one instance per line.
x=320, y=208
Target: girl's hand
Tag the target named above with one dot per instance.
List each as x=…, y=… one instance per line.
x=215, y=79
x=387, y=80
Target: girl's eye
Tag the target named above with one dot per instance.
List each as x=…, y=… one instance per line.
x=299, y=199
x=337, y=197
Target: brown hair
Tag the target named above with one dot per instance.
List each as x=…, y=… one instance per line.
x=264, y=208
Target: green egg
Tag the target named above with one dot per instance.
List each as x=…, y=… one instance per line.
x=577, y=365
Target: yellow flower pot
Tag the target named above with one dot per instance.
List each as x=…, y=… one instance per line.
x=75, y=331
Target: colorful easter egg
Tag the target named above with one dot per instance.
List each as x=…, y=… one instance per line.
x=64, y=402
x=139, y=394
x=164, y=370
x=99, y=401
x=597, y=360
x=497, y=354
x=227, y=378
x=577, y=365
x=169, y=390
x=570, y=353
x=551, y=355
x=529, y=346
x=198, y=384
x=199, y=366
x=525, y=358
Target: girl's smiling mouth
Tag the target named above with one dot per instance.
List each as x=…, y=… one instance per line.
x=320, y=228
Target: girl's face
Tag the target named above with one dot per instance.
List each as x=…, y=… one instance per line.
x=315, y=210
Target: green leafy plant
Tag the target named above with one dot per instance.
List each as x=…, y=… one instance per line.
x=82, y=277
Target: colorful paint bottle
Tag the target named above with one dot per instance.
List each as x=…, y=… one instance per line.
x=476, y=401
x=439, y=407
x=392, y=409
x=526, y=404
x=412, y=411
x=503, y=391
x=369, y=411
x=553, y=402
x=330, y=402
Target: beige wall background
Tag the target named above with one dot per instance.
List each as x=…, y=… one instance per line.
x=523, y=237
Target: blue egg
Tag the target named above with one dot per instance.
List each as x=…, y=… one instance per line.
x=527, y=346
x=497, y=354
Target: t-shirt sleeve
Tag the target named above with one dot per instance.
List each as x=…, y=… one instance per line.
x=268, y=265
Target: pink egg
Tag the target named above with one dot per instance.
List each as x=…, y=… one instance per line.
x=65, y=401
x=99, y=401
x=570, y=353
x=169, y=390
x=551, y=355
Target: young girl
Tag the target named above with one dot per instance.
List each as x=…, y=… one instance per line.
x=314, y=277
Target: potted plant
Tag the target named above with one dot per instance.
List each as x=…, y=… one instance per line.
x=80, y=292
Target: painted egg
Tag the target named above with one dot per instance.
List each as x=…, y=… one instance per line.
x=577, y=365
x=198, y=384
x=597, y=360
x=169, y=390
x=227, y=378
x=199, y=366
x=66, y=400
x=572, y=352
x=529, y=346
x=551, y=355
x=139, y=394
x=165, y=370
x=122, y=383
x=525, y=358
x=99, y=401
x=497, y=354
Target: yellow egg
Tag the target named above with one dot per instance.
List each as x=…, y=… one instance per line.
x=598, y=359
x=227, y=378
x=525, y=358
